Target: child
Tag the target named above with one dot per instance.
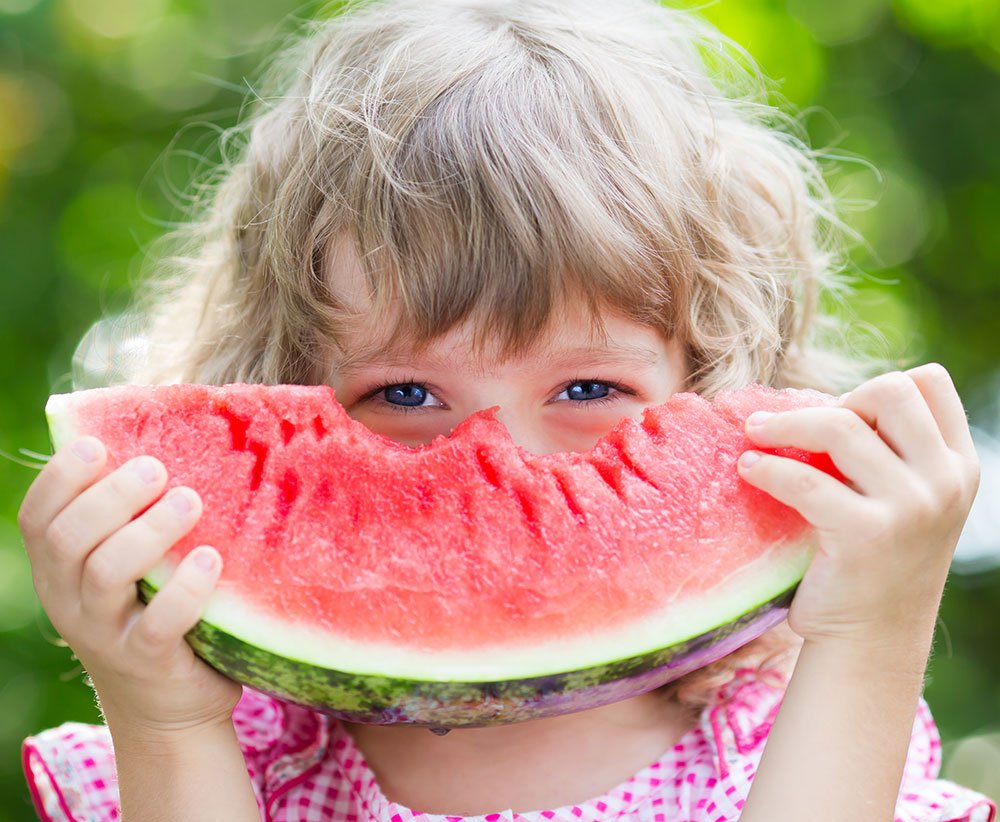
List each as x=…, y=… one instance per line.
x=554, y=208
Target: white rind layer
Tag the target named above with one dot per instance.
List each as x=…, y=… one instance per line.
x=746, y=589
x=60, y=419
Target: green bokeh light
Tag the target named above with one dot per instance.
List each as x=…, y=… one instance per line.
x=949, y=23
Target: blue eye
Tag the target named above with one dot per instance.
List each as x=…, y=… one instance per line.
x=413, y=395
x=407, y=394
x=593, y=393
x=582, y=390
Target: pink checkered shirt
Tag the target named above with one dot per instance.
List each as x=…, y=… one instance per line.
x=305, y=767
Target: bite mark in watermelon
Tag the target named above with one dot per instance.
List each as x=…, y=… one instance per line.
x=465, y=582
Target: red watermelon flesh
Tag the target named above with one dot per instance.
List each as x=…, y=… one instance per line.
x=467, y=545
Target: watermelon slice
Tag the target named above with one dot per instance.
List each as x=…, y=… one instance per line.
x=466, y=582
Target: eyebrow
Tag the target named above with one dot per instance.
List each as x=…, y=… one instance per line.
x=579, y=357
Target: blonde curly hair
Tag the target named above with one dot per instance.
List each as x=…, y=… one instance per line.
x=488, y=158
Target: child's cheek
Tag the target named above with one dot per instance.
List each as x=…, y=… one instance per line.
x=414, y=428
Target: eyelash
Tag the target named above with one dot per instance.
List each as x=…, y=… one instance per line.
x=372, y=393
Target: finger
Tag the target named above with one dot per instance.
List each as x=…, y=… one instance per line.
x=107, y=586
x=939, y=392
x=177, y=606
x=893, y=405
x=857, y=451
x=72, y=468
x=822, y=500
x=99, y=511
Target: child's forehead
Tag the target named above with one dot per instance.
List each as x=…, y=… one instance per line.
x=344, y=275
x=569, y=342
x=445, y=355
x=381, y=334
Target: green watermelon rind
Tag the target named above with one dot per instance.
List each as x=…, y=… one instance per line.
x=759, y=582
x=375, y=694
x=382, y=699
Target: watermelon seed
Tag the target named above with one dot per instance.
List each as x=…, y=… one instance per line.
x=489, y=472
x=654, y=427
x=287, y=431
x=574, y=506
x=259, y=450
x=323, y=494
x=237, y=428
x=318, y=427
x=631, y=466
x=288, y=490
x=606, y=473
x=425, y=498
x=529, y=513
x=439, y=731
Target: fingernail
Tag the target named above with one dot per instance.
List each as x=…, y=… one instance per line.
x=757, y=417
x=180, y=502
x=147, y=469
x=205, y=560
x=749, y=458
x=87, y=449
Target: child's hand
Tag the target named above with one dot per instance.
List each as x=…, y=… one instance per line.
x=87, y=552
x=885, y=540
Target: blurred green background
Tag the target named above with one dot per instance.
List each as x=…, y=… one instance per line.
x=109, y=107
